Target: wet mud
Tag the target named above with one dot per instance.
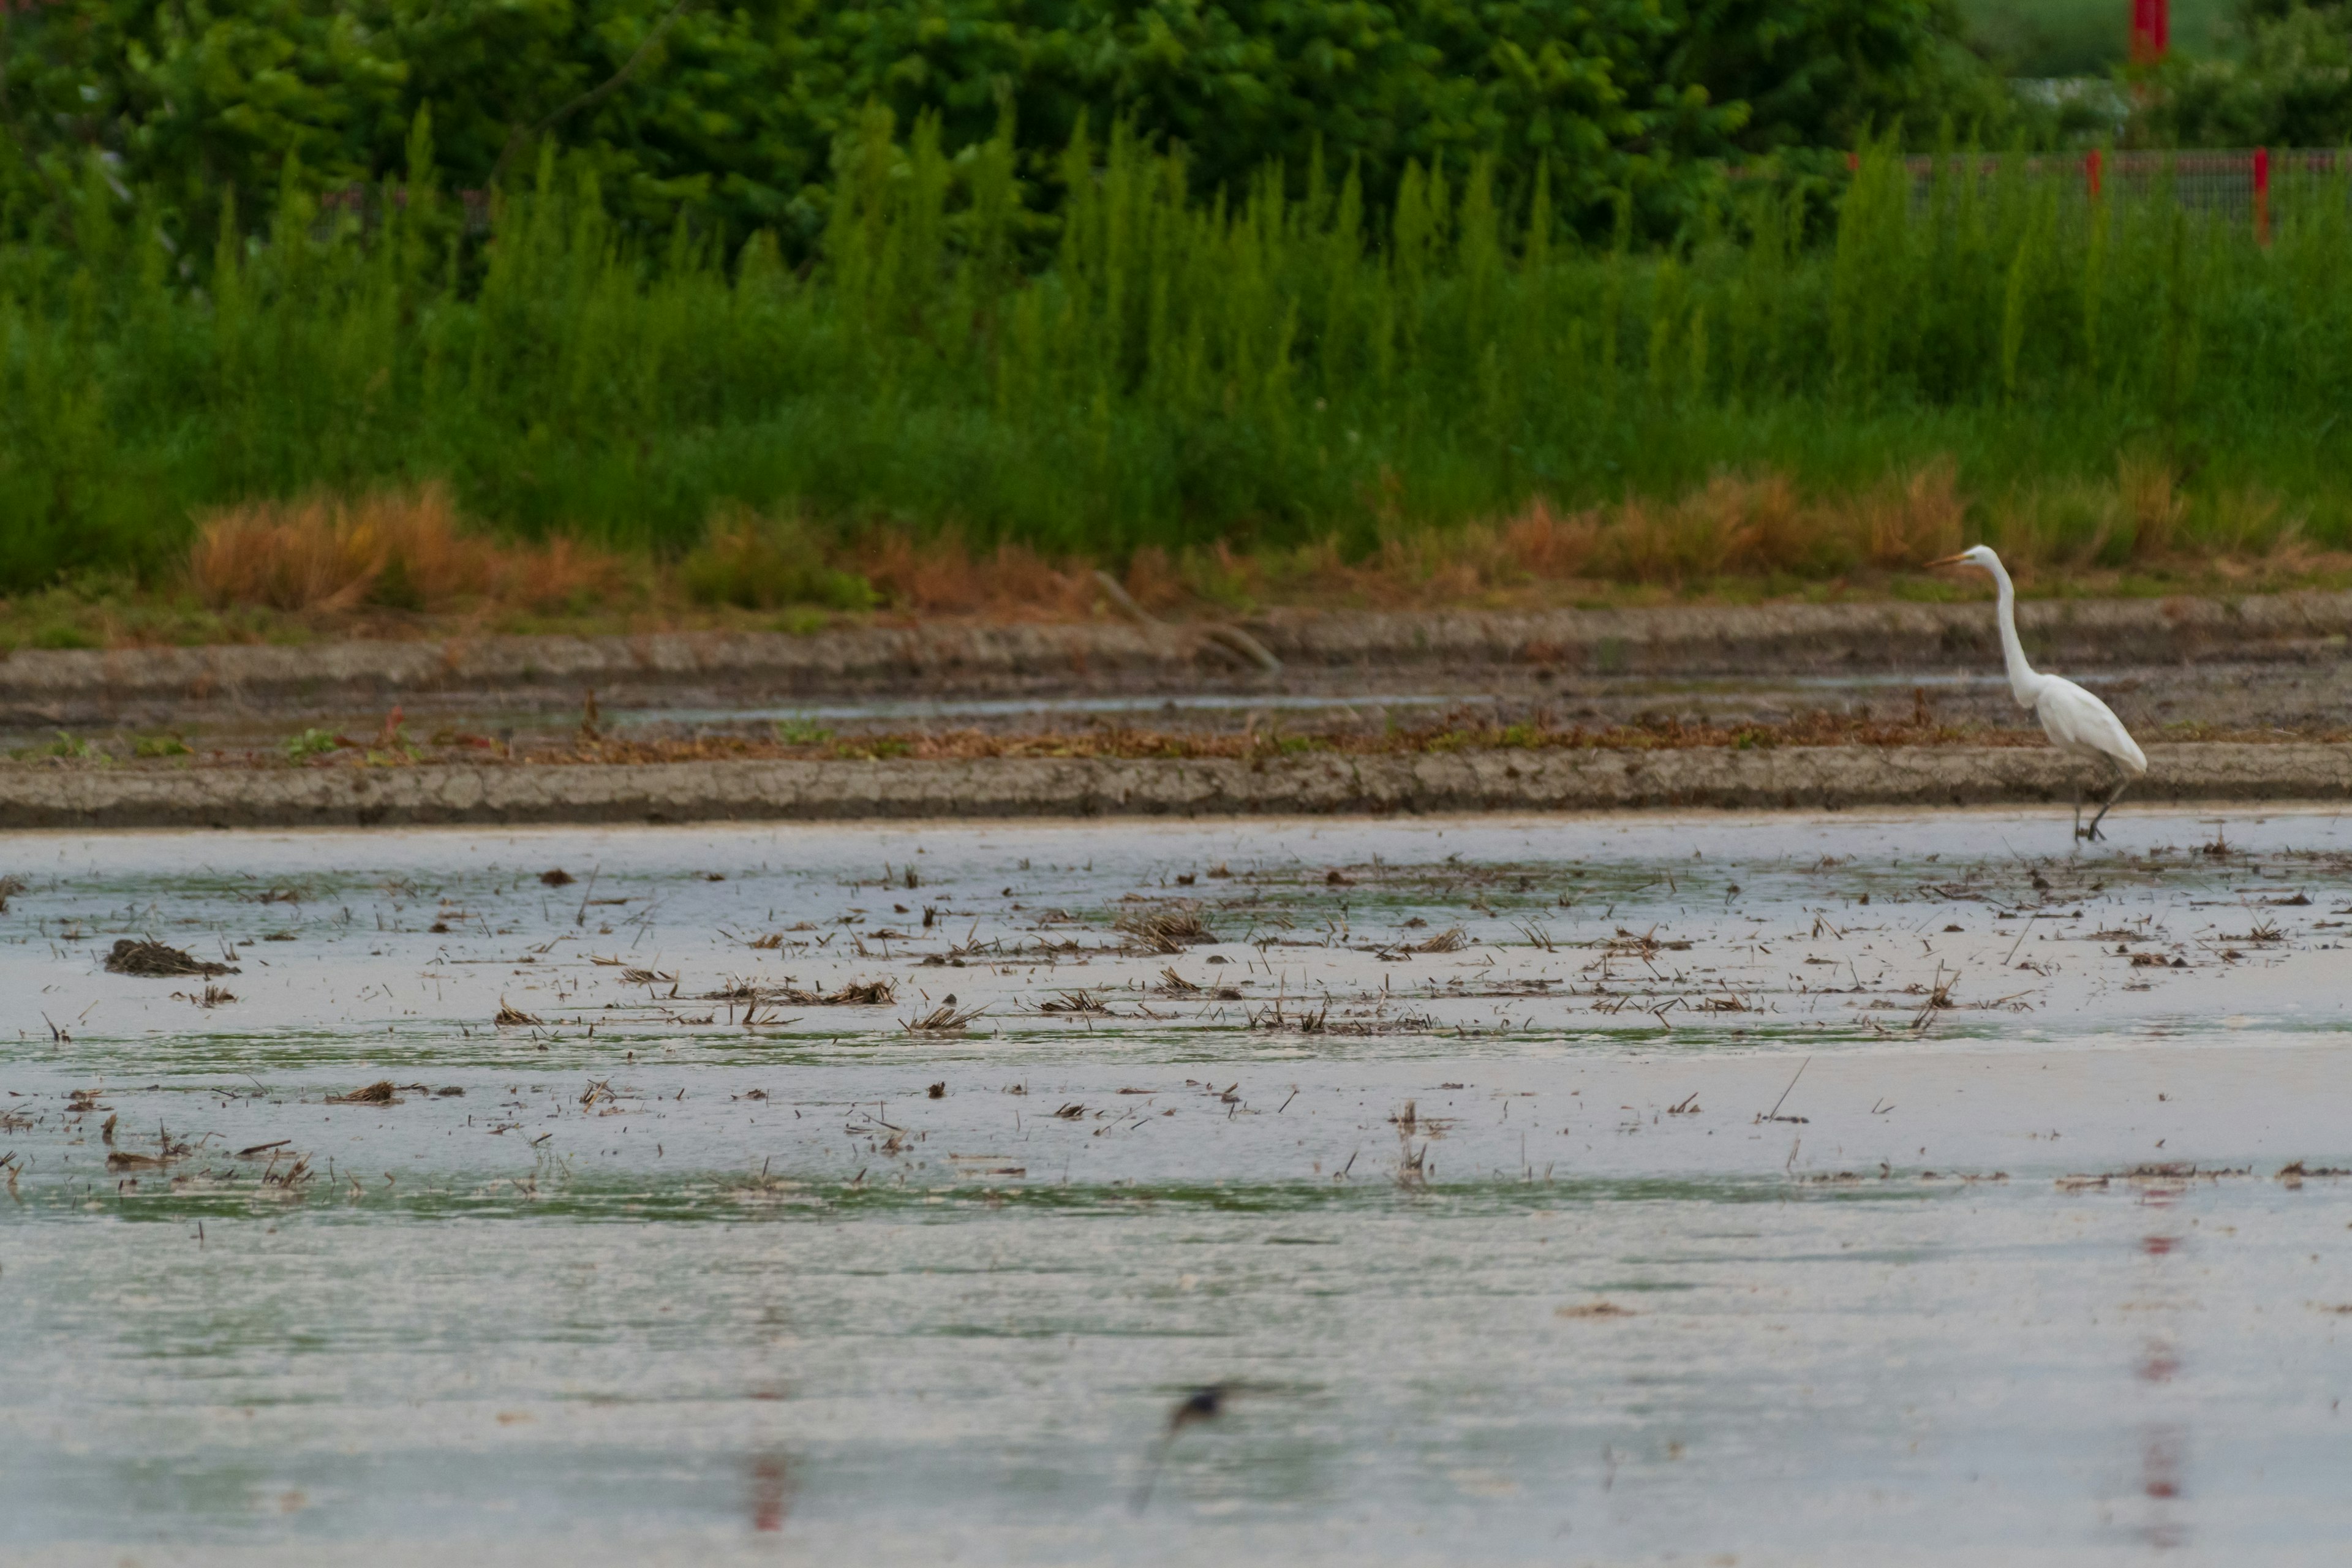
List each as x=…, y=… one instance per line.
x=1425, y=783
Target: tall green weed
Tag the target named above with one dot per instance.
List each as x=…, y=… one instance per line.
x=1289, y=363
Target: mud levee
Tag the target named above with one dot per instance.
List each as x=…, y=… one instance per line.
x=1029, y=787
x=63, y=687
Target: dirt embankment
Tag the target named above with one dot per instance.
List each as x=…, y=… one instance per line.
x=2303, y=637
x=1316, y=650
x=1814, y=777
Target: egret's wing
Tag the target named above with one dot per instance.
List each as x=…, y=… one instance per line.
x=2076, y=719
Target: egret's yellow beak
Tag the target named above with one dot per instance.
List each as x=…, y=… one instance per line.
x=1950, y=561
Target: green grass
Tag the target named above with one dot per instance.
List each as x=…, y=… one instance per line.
x=1271, y=370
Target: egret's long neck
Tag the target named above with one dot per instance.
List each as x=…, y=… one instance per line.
x=2023, y=683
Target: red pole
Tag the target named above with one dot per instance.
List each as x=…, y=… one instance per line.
x=2142, y=28
x=2262, y=195
x=2160, y=26
x=2093, y=166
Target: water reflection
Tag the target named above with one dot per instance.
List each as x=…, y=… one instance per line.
x=2161, y=1285
x=771, y=1491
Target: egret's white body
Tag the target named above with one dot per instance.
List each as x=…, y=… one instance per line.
x=2076, y=722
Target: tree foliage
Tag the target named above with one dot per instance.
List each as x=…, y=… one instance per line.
x=733, y=113
x=2290, y=84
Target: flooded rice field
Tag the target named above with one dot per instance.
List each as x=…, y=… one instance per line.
x=1898, y=1188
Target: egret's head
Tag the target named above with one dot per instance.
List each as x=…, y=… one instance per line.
x=1977, y=556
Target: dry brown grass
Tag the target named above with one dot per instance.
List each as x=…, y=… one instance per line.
x=940, y=575
x=1734, y=526
x=1154, y=581
x=1914, y=518
x=403, y=558
x=1762, y=531
x=2153, y=504
x=400, y=550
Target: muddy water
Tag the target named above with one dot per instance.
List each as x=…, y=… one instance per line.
x=1865, y=1189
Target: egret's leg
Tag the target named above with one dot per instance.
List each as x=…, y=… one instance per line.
x=2123, y=782
x=2078, y=811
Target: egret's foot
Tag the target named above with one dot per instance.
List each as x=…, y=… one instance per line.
x=2113, y=795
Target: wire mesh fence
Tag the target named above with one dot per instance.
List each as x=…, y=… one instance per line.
x=2241, y=184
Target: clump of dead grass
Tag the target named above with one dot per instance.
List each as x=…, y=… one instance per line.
x=856, y=994
x=1166, y=930
x=1154, y=581
x=942, y=576
x=396, y=549
x=1914, y=518
x=153, y=959
x=946, y=1018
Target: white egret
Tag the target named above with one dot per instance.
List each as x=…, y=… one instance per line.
x=2076, y=722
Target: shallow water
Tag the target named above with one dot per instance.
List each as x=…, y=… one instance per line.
x=1835, y=1235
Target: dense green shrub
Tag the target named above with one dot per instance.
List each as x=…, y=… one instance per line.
x=732, y=113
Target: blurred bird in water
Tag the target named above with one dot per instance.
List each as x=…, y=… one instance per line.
x=1204, y=1404
x=2076, y=722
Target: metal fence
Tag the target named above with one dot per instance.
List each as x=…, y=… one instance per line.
x=2235, y=183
